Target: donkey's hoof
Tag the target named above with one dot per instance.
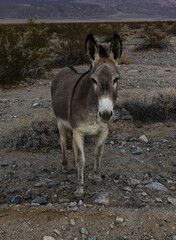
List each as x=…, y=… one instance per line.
x=97, y=179
x=78, y=194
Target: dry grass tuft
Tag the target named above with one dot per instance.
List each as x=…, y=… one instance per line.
x=156, y=107
x=153, y=38
x=125, y=60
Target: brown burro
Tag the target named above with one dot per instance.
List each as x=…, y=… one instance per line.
x=83, y=103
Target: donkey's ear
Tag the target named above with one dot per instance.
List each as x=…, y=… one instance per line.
x=91, y=47
x=116, y=47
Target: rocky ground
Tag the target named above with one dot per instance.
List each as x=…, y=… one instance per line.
x=137, y=197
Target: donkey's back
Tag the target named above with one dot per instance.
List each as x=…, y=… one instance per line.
x=61, y=91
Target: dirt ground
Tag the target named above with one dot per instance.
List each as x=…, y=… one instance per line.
x=124, y=205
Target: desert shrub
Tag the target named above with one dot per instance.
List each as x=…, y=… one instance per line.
x=153, y=38
x=20, y=56
x=32, y=135
x=155, y=107
x=172, y=29
x=125, y=60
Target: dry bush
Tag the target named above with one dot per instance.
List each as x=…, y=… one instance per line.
x=40, y=133
x=153, y=38
x=156, y=107
x=22, y=54
x=32, y=135
x=125, y=60
x=172, y=28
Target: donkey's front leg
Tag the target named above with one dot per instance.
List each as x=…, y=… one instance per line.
x=100, y=139
x=78, y=141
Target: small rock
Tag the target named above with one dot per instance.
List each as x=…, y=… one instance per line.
x=174, y=237
x=35, y=204
x=48, y=238
x=68, y=237
x=172, y=200
x=137, y=152
x=24, y=225
x=17, y=200
x=143, y=138
x=158, y=200
x=119, y=220
x=128, y=188
x=75, y=209
x=84, y=231
x=41, y=200
x=4, y=163
x=57, y=232
x=39, y=184
x=28, y=164
x=92, y=238
x=35, y=104
x=105, y=198
x=73, y=204
x=156, y=186
x=80, y=203
x=174, y=163
x=122, y=150
x=134, y=182
x=72, y=222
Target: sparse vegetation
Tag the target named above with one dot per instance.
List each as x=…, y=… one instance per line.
x=29, y=49
x=153, y=38
x=156, y=107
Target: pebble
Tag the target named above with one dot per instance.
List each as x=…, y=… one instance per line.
x=57, y=232
x=48, y=238
x=134, y=182
x=28, y=164
x=24, y=225
x=119, y=220
x=174, y=237
x=123, y=151
x=80, y=203
x=17, y=200
x=39, y=184
x=172, y=200
x=128, y=188
x=92, y=238
x=68, y=237
x=174, y=163
x=137, y=152
x=40, y=200
x=156, y=186
x=35, y=204
x=84, y=231
x=143, y=138
x=73, y=204
x=72, y=222
x=35, y=104
x=158, y=200
x=4, y=163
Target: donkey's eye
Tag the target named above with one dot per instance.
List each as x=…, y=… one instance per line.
x=115, y=80
x=94, y=81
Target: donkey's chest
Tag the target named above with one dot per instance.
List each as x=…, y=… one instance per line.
x=92, y=126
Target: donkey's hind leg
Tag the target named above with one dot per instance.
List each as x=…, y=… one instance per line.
x=100, y=139
x=63, y=143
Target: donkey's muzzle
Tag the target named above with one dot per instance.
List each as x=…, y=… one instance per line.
x=105, y=116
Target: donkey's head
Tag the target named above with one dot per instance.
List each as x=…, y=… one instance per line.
x=104, y=74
